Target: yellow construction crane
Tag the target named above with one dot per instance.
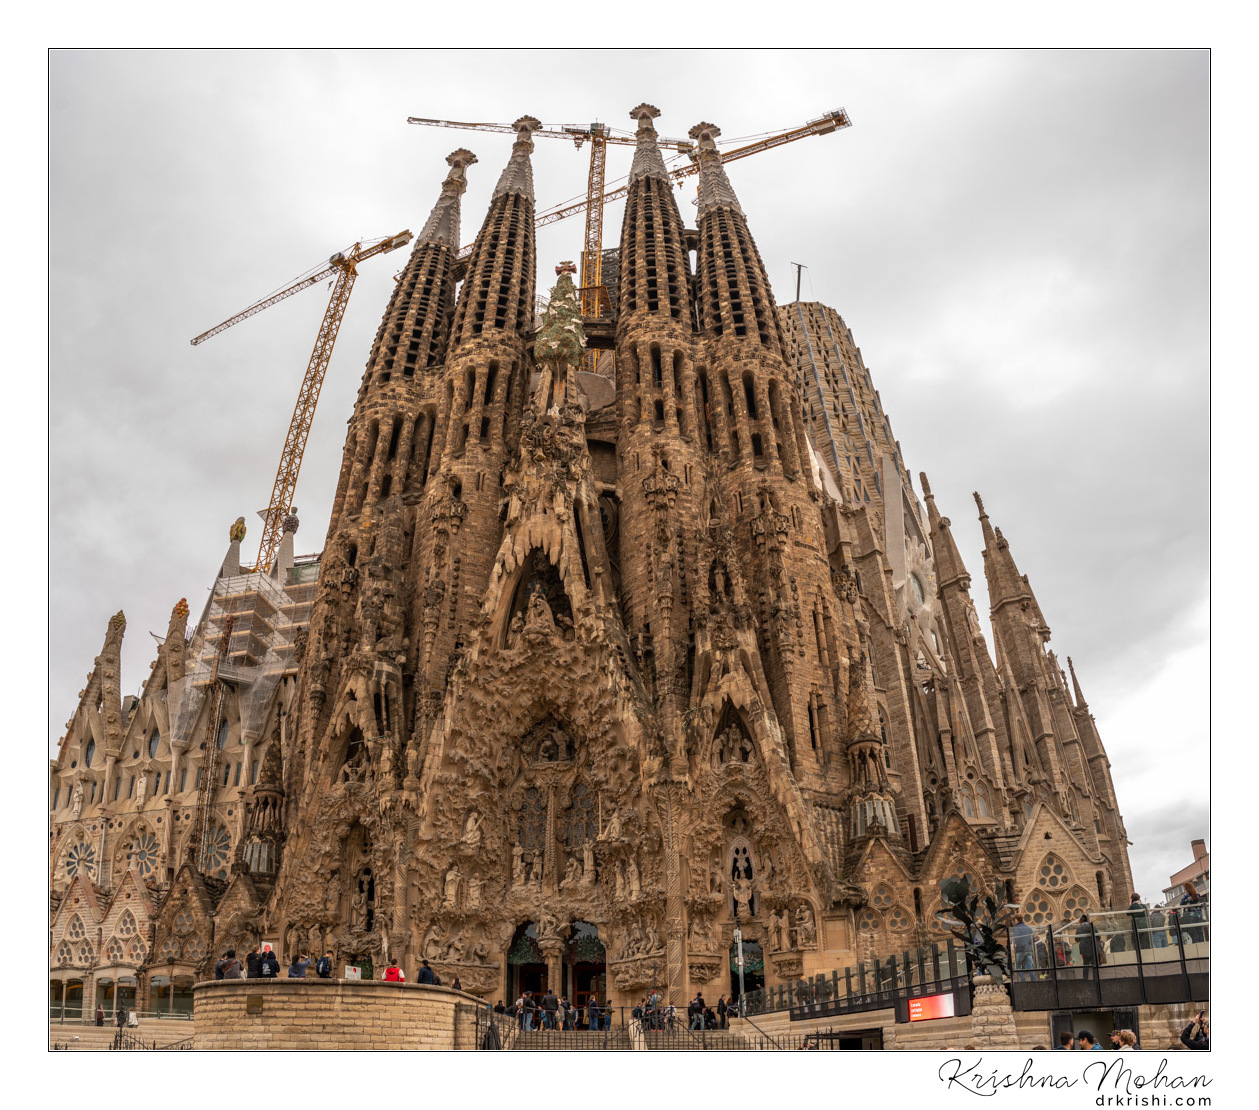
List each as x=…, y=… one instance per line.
x=593, y=293
x=344, y=265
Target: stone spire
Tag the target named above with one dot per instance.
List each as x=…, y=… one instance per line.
x=517, y=176
x=715, y=190
x=647, y=159
x=1005, y=583
x=443, y=222
x=948, y=560
x=1080, y=703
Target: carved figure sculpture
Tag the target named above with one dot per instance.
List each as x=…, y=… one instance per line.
x=572, y=873
x=632, y=878
x=588, y=864
x=358, y=910
x=76, y=804
x=517, y=866
x=450, y=889
x=472, y=830
x=806, y=930
x=742, y=891
x=431, y=946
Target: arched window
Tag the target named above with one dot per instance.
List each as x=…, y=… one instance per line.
x=153, y=742
x=221, y=740
x=127, y=924
x=88, y=753
x=1053, y=873
x=113, y=951
x=968, y=800
x=981, y=800
x=142, y=854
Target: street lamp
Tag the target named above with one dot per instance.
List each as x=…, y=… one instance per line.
x=738, y=939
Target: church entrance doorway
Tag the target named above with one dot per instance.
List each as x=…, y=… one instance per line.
x=585, y=965
x=529, y=971
x=753, y=968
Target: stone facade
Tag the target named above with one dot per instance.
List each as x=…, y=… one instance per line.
x=588, y=671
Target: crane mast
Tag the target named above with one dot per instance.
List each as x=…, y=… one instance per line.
x=345, y=265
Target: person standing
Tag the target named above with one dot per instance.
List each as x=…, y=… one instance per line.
x=1191, y=908
x=270, y=965
x=1087, y=1042
x=393, y=973
x=297, y=969
x=218, y=967
x=121, y=1018
x=253, y=963
x=323, y=966
x=1197, y=1034
x=1021, y=941
x=592, y=1013
x=231, y=965
x=1140, y=919
x=550, y=1008
x=425, y=974
x=695, y=1011
x=1086, y=941
x=100, y=1013
x=723, y=1013
x=456, y=985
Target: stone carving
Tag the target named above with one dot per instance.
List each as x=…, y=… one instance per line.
x=450, y=888
x=76, y=800
x=805, y=932
x=472, y=830
x=779, y=930
x=742, y=890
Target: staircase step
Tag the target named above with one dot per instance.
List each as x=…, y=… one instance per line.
x=571, y=1040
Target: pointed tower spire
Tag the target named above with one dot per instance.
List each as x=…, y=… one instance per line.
x=1080, y=703
x=517, y=175
x=443, y=221
x=647, y=159
x=950, y=568
x=715, y=190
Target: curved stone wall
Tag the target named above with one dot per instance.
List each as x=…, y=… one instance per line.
x=330, y=1014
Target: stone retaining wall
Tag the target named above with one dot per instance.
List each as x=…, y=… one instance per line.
x=330, y=1014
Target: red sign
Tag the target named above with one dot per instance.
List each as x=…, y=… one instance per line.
x=932, y=1006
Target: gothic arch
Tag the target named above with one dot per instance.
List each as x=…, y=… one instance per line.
x=1040, y=908
x=1053, y=874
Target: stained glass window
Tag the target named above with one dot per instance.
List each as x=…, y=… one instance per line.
x=216, y=848
x=1053, y=873
x=75, y=930
x=143, y=854
x=127, y=924
x=533, y=820
x=153, y=742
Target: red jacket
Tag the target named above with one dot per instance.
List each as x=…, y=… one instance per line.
x=394, y=975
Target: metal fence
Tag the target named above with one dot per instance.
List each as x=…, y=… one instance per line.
x=1120, y=958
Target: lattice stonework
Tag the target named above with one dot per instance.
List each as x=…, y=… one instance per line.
x=143, y=853
x=114, y=951
x=75, y=930
x=127, y=924
x=1076, y=902
x=1053, y=873
x=194, y=948
x=169, y=949
x=899, y=920
x=218, y=844
x=882, y=896
x=65, y=954
x=870, y=921
x=80, y=858
x=137, y=950
x=1039, y=908
x=184, y=921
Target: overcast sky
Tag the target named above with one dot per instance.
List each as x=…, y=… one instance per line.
x=1019, y=242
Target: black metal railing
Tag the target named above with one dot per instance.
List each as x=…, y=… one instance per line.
x=1124, y=957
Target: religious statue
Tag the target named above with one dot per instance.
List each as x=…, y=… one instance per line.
x=742, y=890
x=472, y=898
x=806, y=931
x=517, y=866
x=632, y=878
x=620, y=880
x=142, y=785
x=778, y=931
x=480, y=953
x=454, y=949
x=635, y=940
x=358, y=910
x=614, y=827
x=652, y=941
x=572, y=873
x=472, y=830
x=332, y=896
x=76, y=805
x=431, y=946
x=450, y=889
x=588, y=863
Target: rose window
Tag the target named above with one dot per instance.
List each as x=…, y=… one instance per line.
x=898, y=920
x=1038, y=908
x=80, y=858
x=1076, y=901
x=126, y=924
x=113, y=953
x=143, y=854
x=216, y=848
x=75, y=930
x=882, y=896
x=1053, y=873
x=869, y=922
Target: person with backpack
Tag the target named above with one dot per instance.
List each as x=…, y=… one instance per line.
x=231, y=965
x=323, y=966
x=425, y=974
x=393, y=973
x=297, y=969
x=270, y=968
x=253, y=963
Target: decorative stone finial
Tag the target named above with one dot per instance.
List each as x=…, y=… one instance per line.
x=706, y=135
x=525, y=127
x=647, y=159
x=291, y=523
x=117, y=621
x=181, y=609
x=567, y=267
x=237, y=532
x=458, y=161
x=926, y=486
x=980, y=502
x=442, y=225
x=644, y=113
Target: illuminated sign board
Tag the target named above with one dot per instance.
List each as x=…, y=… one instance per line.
x=931, y=1006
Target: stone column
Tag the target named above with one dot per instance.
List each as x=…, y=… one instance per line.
x=991, y=1018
